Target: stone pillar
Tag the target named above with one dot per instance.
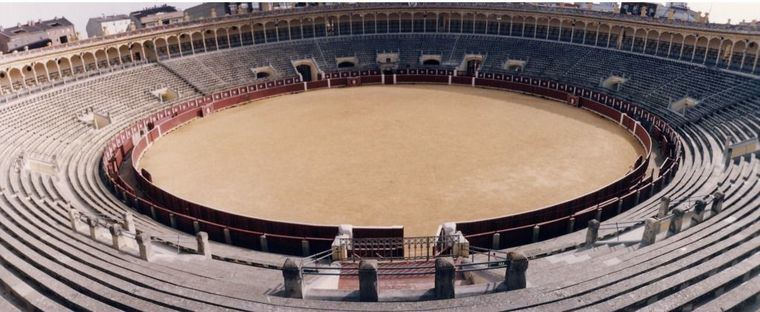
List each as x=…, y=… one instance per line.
x=93, y=224
x=172, y=221
x=129, y=222
x=717, y=204
x=196, y=227
x=263, y=243
x=227, y=237
x=74, y=216
x=203, y=245
x=699, y=211
x=461, y=246
x=570, y=225
x=293, y=280
x=592, y=232
x=145, y=246
x=517, y=264
x=496, y=241
x=368, y=281
x=676, y=220
x=651, y=228
x=339, y=247
x=305, y=248
x=536, y=231
x=444, y=278
x=664, y=207
x=115, y=236
x=599, y=213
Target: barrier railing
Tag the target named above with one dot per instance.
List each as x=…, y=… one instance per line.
x=399, y=248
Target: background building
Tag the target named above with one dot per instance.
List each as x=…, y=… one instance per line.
x=36, y=34
x=214, y=9
x=108, y=25
x=157, y=16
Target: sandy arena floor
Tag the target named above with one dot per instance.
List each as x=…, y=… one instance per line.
x=415, y=155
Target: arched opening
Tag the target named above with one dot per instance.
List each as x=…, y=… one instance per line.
x=149, y=48
x=295, y=29
x=283, y=32
x=5, y=83
x=172, y=44
x=674, y=50
x=125, y=55
x=102, y=59
x=270, y=32
x=320, y=27
x=394, y=23
x=17, y=79
x=305, y=71
x=387, y=72
x=346, y=64
x=357, y=27
x=197, y=39
x=64, y=65
x=77, y=64
x=381, y=23
x=222, y=38
x=185, y=44
x=455, y=23
x=262, y=75
x=246, y=33
x=472, y=67
x=406, y=22
x=369, y=24
x=431, y=62
x=28, y=76
x=467, y=23
x=258, y=33
x=52, y=70
x=518, y=25
x=235, y=36
x=112, y=56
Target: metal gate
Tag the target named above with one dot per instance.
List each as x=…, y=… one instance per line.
x=406, y=248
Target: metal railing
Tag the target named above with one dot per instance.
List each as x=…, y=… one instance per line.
x=481, y=259
x=399, y=248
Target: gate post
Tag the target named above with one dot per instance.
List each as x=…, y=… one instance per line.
x=293, y=280
x=444, y=278
x=368, y=281
x=517, y=264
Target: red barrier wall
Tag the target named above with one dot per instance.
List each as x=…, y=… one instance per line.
x=286, y=237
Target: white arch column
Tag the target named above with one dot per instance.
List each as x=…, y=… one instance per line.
x=596, y=38
x=47, y=73
x=58, y=66
x=731, y=55
x=744, y=55
x=34, y=72
x=10, y=82
x=720, y=48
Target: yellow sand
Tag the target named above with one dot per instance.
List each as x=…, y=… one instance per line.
x=415, y=155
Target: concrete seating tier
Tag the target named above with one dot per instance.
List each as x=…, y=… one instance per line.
x=45, y=264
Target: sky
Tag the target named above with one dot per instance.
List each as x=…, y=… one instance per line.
x=12, y=13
